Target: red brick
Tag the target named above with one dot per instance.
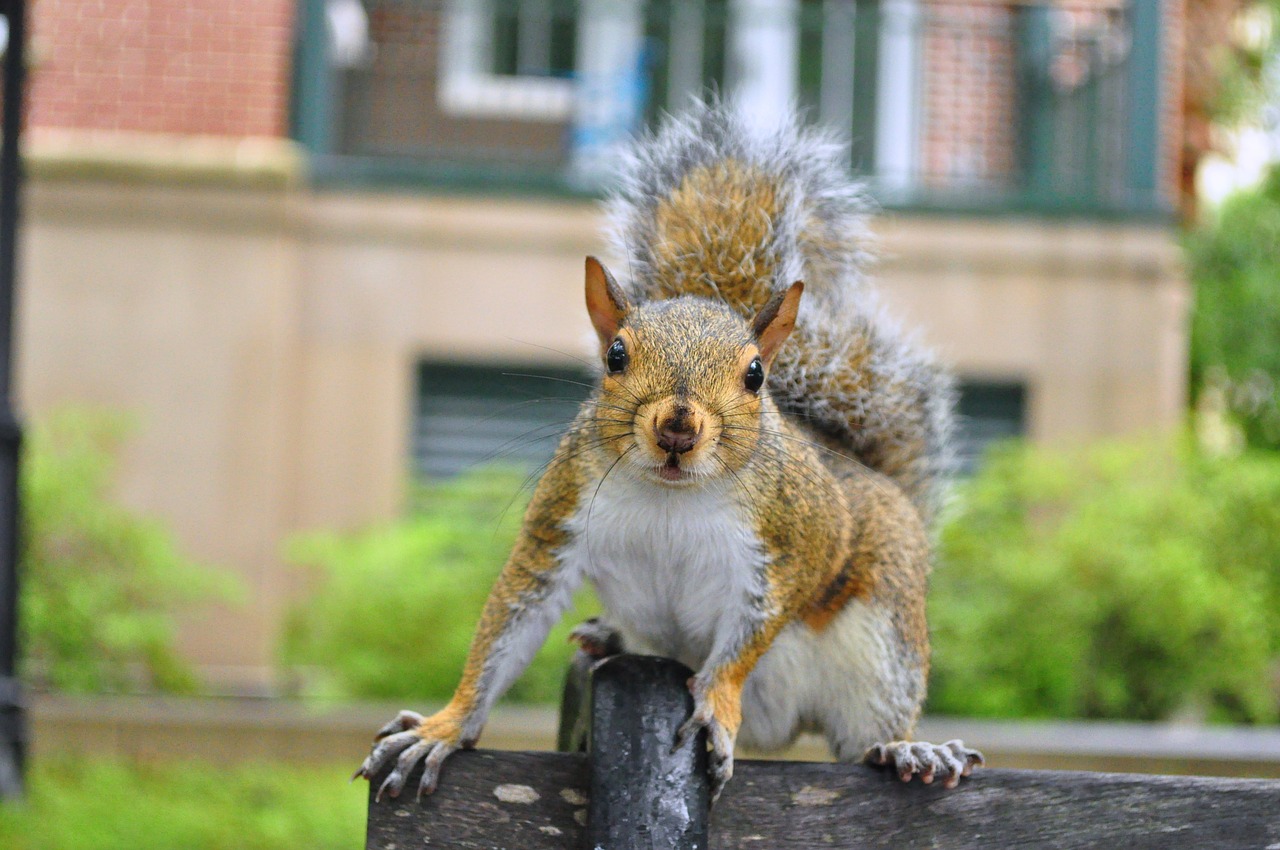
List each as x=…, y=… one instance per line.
x=131, y=65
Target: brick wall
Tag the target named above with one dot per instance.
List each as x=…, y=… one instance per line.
x=203, y=67
x=222, y=67
x=970, y=98
x=969, y=94
x=1175, y=161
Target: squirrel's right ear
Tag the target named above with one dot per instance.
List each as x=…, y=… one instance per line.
x=606, y=304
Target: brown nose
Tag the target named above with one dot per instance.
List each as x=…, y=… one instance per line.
x=676, y=439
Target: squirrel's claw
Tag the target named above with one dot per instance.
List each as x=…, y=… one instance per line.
x=407, y=740
x=403, y=722
x=948, y=761
x=394, y=783
x=721, y=744
x=386, y=748
x=431, y=767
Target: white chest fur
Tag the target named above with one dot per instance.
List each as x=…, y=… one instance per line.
x=674, y=568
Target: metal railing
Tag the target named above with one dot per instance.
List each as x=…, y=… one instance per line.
x=972, y=104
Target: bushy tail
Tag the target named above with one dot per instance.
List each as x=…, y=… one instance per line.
x=710, y=206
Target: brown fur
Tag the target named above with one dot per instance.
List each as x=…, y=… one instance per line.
x=712, y=234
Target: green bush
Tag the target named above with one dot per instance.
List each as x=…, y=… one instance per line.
x=394, y=607
x=1235, y=331
x=97, y=803
x=98, y=581
x=1135, y=580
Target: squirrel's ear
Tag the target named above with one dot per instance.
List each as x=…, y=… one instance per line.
x=774, y=323
x=606, y=305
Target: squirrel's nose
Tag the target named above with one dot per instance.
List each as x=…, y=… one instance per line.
x=678, y=440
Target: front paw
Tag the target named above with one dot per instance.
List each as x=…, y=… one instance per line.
x=719, y=738
x=407, y=740
x=947, y=762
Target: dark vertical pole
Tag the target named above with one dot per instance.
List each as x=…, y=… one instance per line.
x=644, y=796
x=12, y=725
x=866, y=62
x=313, y=80
x=1036, y=102
x=1145, y=87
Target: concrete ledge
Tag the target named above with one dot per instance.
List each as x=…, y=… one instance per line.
x=55, y=154
x=234, y=730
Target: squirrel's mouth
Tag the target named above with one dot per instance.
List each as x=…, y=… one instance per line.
x=670, y=469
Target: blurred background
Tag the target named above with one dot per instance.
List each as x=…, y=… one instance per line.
x=299, y=312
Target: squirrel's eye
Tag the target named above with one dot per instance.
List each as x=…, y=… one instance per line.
x=616, y=357
x=754, y=379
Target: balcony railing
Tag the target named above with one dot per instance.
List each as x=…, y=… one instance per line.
x=969, y=105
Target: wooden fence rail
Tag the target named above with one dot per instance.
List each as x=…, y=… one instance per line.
x=632, y=792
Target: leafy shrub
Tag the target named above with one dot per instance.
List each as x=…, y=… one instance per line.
x=1235, y=265
x=98, y=581
x=395, y=607
x=1133, y=580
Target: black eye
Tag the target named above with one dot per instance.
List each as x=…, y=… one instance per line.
x=754, y=379
x=616, y=357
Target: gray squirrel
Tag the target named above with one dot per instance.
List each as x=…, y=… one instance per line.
x=751, y=484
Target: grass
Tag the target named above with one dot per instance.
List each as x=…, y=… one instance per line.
x=106, y=803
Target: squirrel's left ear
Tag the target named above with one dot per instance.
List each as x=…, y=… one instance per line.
x=775, y=322
x=606, y=304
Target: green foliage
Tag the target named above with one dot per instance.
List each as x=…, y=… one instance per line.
x=1235, y=332
x=98, y=581
x=1132, y=580
x=394, y=607
x=1238, y=59
x=96, y=804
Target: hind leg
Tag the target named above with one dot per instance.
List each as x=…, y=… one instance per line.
x=596, y=641
x=873, y=691
x=597, y=638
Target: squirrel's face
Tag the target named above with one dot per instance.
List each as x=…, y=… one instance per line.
x=680, y=399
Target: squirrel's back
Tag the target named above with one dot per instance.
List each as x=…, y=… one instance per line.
x=710, y=206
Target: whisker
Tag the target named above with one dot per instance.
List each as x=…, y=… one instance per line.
x=786, y=461
x=559, y=458
x=872, y=475
x=586, y=526
x=555, y=378
x=587, y=363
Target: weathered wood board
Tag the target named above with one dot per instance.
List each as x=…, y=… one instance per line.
x=537, y=801
x=488, y=800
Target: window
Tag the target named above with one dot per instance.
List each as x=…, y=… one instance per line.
x=470, y=415
x=988, y=411
x=508, y=60
x=536, y=38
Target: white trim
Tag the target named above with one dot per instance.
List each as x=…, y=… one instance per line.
x=609, y=103
x=839, y=43
x=468, y=89
x=764, y=42
x=898, y=97
x=684, y=52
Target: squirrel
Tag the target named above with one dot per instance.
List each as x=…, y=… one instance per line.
x=750, y=486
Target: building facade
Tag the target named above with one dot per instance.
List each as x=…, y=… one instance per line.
x=317, y=248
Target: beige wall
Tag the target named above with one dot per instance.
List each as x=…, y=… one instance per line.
x=265, y=338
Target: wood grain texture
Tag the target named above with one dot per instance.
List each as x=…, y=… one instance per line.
x=538, y=801
x=782, y=805
x=488, y=800
x=804, y=805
